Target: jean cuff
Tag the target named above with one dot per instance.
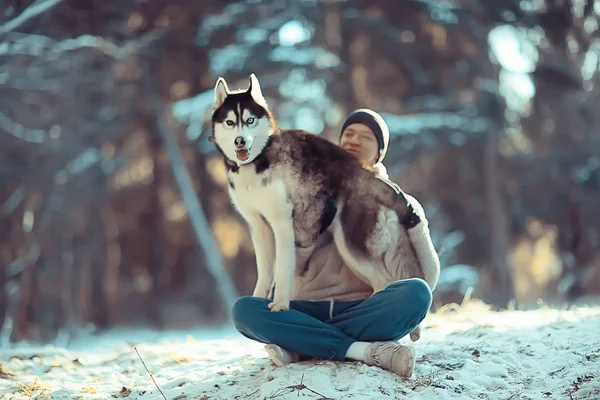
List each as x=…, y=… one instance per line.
x=340, y=354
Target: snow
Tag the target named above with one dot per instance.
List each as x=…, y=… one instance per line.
x=468, y=352
x=458, y=277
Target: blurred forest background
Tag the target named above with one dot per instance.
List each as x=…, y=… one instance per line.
x=113, y=204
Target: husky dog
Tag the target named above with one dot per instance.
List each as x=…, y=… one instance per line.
x=291, y=185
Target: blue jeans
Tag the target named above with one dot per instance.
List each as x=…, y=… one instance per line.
x=314, y=329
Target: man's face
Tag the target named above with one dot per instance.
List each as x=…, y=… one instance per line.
x=359, y=140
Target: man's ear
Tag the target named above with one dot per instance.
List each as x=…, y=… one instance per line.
x=221, y=93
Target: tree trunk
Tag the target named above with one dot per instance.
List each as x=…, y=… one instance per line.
x=499, y=289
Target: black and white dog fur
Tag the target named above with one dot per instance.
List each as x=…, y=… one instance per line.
x=291, y=185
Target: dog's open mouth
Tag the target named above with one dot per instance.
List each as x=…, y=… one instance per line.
x=242, y=154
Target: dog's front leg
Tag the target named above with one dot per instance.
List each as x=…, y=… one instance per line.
x=264, y=250
x=285, y=262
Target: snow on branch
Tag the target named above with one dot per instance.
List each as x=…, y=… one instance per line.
x=16, y=267
x=30, y=12
x=414, y=124
x=21, y=132
x=8, y=79
x=14, y=200
x=38, y=45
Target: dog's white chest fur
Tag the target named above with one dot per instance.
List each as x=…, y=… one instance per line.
x=263, y=201
x=260, y=193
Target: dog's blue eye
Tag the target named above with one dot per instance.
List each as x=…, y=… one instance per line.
x=250, y=121
x=229, y=122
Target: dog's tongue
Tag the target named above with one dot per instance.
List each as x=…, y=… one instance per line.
x=242, y=155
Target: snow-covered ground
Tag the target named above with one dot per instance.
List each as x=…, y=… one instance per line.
x=467, y=353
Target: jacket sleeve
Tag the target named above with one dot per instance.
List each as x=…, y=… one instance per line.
x=421, y=240
x=420, y=237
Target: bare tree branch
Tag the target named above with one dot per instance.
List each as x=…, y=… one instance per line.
x=150, y=373
x=30, y=12
x=14, y=289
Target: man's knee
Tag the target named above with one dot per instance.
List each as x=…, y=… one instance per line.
x=246, y=311
x=414, y=291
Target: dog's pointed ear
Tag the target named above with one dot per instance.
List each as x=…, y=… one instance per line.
x=221, y=92
x=256, y=92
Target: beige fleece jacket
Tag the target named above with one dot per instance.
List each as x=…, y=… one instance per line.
x=328, y=277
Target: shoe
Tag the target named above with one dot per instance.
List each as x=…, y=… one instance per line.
x=281, y=357
x=392, y=357
x=415, y=334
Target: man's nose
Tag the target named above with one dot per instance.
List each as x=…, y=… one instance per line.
x=240, y=141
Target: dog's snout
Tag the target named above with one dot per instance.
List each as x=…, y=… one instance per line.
x=240, y=141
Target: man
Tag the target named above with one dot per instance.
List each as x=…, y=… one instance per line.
x=334, y=314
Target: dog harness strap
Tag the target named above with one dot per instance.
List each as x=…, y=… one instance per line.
x=391, y=184
x=328, y=212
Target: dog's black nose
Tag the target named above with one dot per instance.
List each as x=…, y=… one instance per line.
x=240, y=141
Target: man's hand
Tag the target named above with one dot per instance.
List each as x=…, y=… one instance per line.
x=410, y=218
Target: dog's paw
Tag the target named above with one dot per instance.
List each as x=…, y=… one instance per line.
x=410, y=219
x=279, y=305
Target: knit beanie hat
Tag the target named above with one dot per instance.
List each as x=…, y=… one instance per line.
x=376, y=123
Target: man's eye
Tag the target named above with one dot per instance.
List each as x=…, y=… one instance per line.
x=250, y=121
x=229, y=122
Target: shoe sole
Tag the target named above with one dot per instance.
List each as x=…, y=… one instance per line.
x=409, y=358
x=277, y=355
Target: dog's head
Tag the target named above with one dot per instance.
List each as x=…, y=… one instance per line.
x=241, y=121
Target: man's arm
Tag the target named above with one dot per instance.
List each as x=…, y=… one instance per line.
x=421, y=239
x=417, y=226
